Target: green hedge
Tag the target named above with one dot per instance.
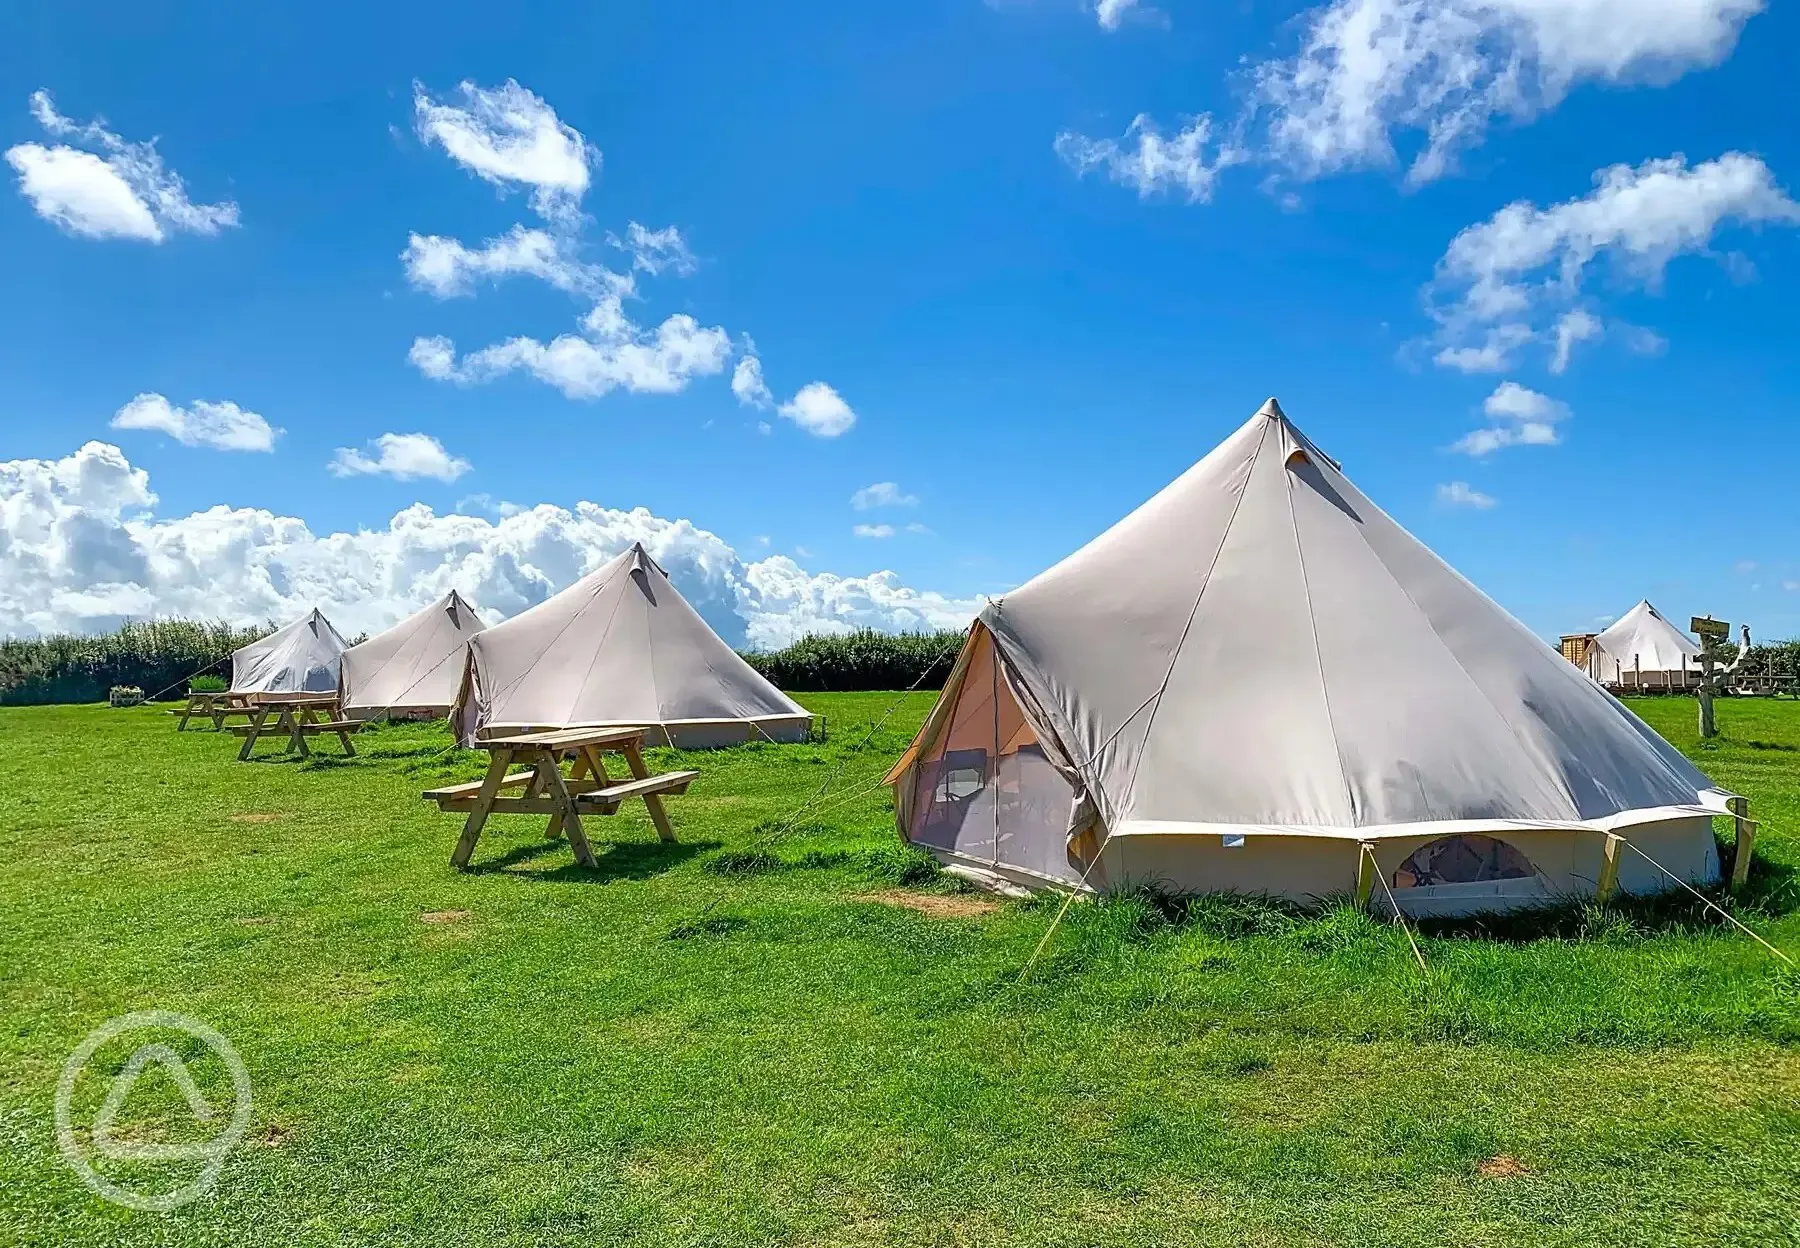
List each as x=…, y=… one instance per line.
x=864, y=659
x=162, y=654
x=151, y=656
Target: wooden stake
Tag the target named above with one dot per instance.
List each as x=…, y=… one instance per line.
x=1744, y=842
x=1609, y=869
x=1365, y=874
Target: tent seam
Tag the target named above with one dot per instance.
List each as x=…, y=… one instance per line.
x=1312, y=623
x=1181, y=642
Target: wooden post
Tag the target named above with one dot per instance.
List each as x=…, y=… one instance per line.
x=634, y=759
x=1744, y=842
x=1609, y=868
x=1365, y=874
x=484, y=798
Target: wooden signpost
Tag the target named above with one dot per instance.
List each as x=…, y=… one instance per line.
x=1714, y=679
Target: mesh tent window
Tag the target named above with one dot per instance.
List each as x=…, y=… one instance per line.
x=1470, y=858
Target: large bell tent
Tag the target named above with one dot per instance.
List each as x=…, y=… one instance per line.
x=1258, y=681
x=414, y=668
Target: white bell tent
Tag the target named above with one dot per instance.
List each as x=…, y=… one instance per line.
x=620, y=646
x=303, y=657
x=1256, y=675
x=1643, y=648
x=414, y=668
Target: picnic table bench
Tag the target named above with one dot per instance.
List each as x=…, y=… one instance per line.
x=216, y=706
x=297, y=716
x=585, y=790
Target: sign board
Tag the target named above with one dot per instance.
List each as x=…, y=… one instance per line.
x=1709, y=627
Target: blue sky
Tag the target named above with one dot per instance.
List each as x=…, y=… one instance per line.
x=1033, y=334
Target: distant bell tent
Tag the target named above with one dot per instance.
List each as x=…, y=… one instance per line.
x=415, y=668
x=620, y=647
x=1259, y=682
x=1643, y=651
x=301, y=658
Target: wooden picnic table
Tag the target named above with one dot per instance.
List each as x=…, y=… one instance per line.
x=586, y=790
x=216, y=706
x=297, y=716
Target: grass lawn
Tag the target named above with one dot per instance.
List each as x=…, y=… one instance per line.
x=806, y=1039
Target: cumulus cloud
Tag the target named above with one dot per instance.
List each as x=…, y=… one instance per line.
x=819, y=410
x=403, y=456
x=1516, y=416
x=510, y=137
x=1519, y=276
x=108, y=187
x=1109, y=13
x=747, y=380
x=1462, y=494
x=1370, y=70
x=612, y=352
x=80, y=548
x=1150, y=162
x=223, y=426
x=882, y=494
x=653, y=251
x=446, y=268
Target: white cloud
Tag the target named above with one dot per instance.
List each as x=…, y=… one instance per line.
x=1493, y=355
x=1575, y=325
x=124, y=193
x=747, y=381
x=874, y=530
x=223, y=426
x=446, y=268
x=612, y=352
x=1462, y=494
x=819, y=410
x=1368, y=70
x=1518, y=417
x=1522, y=272
x=79, y=549
x=508, y=136
x=403, y=456
x=1110, y=13
x=882, y=494
x=1148, y=161
x=652, y=251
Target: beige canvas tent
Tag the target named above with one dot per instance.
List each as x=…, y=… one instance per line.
x=1256, y=674
x=300, y=658
x=414, y=668
x=1642, y=649
x=620, y=646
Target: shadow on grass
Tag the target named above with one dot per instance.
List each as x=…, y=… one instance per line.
x=624, y=860
x=1773, y=745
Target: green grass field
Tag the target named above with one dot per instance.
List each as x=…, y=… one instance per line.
x=748, y=1038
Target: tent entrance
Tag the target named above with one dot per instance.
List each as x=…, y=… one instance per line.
x=984, y=790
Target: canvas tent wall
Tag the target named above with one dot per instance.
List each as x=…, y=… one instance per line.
x=620, y=646
x=1642, y=649
x=1257, y=673
x=414, y=668
x=303, y=657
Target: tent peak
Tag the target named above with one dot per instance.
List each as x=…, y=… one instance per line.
x=1271, y=408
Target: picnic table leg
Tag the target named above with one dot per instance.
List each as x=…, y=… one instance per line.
x=296, y=738
x=568, y=818
x=484, y=799
x=540, y=786
x=634, y=759
x=257, y=717
x=349, y=750
x=217, y=706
